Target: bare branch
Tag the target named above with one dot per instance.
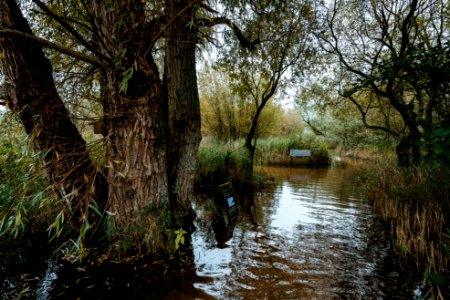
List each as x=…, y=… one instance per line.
x=406, y=27
x=335, y=46
x=314, y=128
x=363, y=117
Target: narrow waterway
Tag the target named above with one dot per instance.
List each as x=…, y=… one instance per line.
x=312, y=235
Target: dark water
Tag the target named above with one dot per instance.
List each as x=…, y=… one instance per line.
x=310, y=235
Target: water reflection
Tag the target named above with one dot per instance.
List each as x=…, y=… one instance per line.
x=310, y=236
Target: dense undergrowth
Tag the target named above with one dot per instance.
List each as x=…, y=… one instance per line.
x=24, y=199
x=219, y=163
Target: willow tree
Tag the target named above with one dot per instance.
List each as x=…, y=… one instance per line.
x=282, y=35
x=225, y=116
x=397, y=53
x=29, y=91
x=119, y=45
x=151, y=119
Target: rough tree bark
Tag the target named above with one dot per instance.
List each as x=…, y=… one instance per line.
x=138, y=202
x=183, y=108
x=32, y=95
x=151, y=136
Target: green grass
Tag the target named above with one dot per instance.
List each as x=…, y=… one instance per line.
x=219, y=163
x=222, y=162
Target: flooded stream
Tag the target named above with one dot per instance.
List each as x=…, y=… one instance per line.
x=309, y=235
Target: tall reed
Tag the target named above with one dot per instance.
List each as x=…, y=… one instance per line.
x=415, y=204
x=24, y=199
x=219, y=163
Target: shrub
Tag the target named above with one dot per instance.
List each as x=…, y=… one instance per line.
x=437, y=142
x=213, y=166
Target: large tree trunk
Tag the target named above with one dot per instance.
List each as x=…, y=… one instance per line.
x=136, y=154
x=408, y=149
x=33, y=96
x=148, y=194
x=134, y=117
x=183, y=108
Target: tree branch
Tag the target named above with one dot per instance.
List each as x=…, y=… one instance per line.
x=406, y=27
x=45, y=43
x=245, y=43
x=314, y=128
x=69, y=28
x=363, y=117
x=334, y=44
x=166, y=26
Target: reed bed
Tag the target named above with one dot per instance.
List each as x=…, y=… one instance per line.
x=275, y=152
x=221, y=163
x=415, y=204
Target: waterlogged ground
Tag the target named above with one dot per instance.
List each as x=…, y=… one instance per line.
x=310, y=235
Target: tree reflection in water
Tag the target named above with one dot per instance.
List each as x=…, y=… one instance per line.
x=311, y=235
x=308, y=235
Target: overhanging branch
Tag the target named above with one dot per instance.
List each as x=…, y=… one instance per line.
x=245, y=43
x=364, y=119
x=69, y=28
x=314, y=128
x=51, y=45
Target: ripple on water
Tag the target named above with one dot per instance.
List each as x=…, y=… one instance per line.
x=312, y=237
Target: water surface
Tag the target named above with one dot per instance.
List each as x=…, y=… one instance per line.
x=312, y=235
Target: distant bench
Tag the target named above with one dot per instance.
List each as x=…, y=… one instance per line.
x=299, y=153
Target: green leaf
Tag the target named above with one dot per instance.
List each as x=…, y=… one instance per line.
x=96, y=210
x=127, y=75
x=179, y=239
